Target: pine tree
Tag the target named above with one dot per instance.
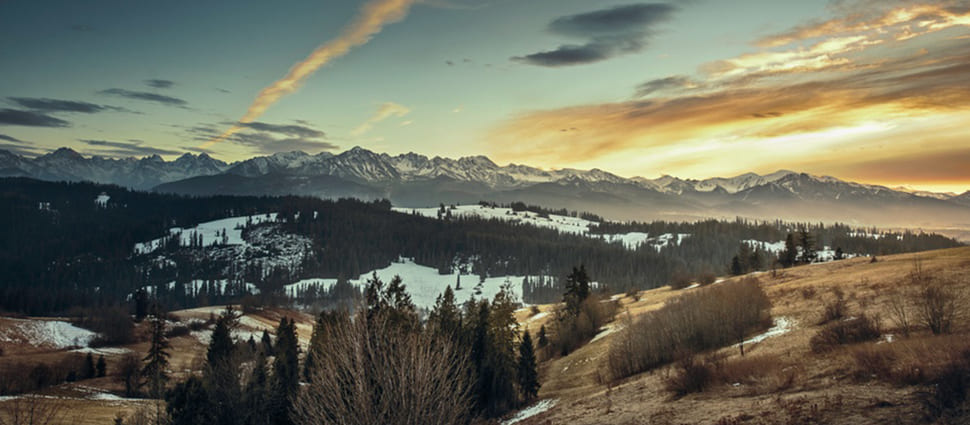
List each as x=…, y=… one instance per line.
x=790, y=255
x=154, y=371
x=445, y=319
x=220, y=375
x=577, y=289
x=266, y=344
x=528, y=375
x=286, y=373
x=736, y=268
x=256, y=396
x=543, y=340
x=808, y=247
x=102, y=366
x=88, y=371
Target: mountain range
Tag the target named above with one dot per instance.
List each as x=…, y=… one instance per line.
x=413, y=180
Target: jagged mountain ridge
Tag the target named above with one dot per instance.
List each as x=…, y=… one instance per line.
x=414, y=180
x=144, y=173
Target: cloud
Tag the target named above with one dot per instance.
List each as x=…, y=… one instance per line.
x=132, y=148
x=660, y=85
x=289, y=130
x=265, y=143
x=11, y=139
x=160, y=84
x=805, y=104
x=372, y=18
x=266, y=138
x=385, y=111
x=58, y=105
x=608, y=33
x=146, y=96
x=30, y=119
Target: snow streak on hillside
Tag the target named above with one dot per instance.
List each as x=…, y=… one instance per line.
x=53, y=334
x=560, y=223
x=211, y=232
x=425, y=284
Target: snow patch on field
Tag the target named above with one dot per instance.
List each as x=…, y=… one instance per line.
x=107, y=351
x=424, y=284
x=539, y=316
x=54, y=334
x=563, y=224
x=607, y=330
x=210, y=231
x=782, y=326
x=560, y=223
x=535, y=409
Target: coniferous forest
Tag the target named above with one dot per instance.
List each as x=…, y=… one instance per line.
x=62, y=250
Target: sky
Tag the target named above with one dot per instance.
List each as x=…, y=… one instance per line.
x=863, y=90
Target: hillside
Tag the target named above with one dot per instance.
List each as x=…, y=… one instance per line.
x=780, y=380
x=783, y=381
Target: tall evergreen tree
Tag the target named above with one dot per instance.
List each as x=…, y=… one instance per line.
x=154, y=371
x=286, y=373
x=89, y=370
x=102, y=366
x=221, y=372
x=807, y=243
x=790, y=255
x=528, y=375
x=577, y=289
x=256, y=396
x=445, y=318
x=543, y=340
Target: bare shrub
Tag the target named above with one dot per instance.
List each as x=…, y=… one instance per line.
x=836, y=308
x=711, y=317
x=372, y=372
x=570, y=332
x=901, y=312
x=32, y=410
x=680, y=280
x=930, y=300
x=689, y=376
x=848, y=331
x=706, y=278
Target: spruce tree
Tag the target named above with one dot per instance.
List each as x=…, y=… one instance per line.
x=102, y=366
x=286, y=373
x=445, y=319
x=88, y=371
x=528, y=375
x=220, y=375
x=266, y=344
x=256, y=396
x=543, y=340
x=157, y=357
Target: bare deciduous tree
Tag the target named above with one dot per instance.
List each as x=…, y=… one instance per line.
x=374, y=372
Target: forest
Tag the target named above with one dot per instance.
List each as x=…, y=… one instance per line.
x=61, y=250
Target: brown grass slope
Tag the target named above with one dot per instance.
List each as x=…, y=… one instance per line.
x=780, y=380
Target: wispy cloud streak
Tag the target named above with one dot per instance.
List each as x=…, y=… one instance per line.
x=372, y=19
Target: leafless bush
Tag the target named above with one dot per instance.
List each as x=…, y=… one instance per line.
x=710, y=317
x=32, y=410
x=570, y=332
x=706, y=278
x=373, y=373
x=847, y=331
x=690, y=376
x=836, y=308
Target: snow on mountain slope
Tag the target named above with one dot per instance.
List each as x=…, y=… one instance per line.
x=560, y=223
x=51, y=334
x=424, y=283
x=212, y=232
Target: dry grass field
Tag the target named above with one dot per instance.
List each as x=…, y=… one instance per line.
x=780, y=380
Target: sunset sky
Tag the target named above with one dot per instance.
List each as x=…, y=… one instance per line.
x=870, y=91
